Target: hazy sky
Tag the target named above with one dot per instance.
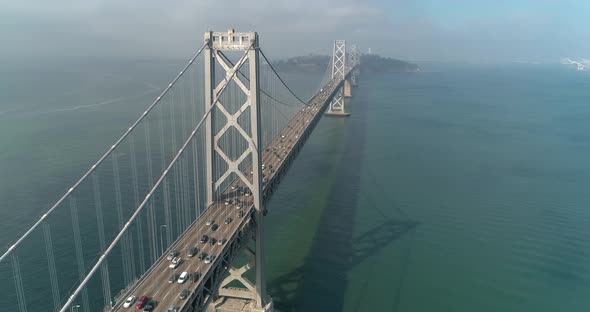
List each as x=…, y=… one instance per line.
x=472, y=30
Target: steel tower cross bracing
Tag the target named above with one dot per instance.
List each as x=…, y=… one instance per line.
x=354, y=64
x=339, y=59
x=339, y=72
x=216, y=43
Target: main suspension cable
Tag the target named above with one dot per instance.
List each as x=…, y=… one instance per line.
x=281, y=79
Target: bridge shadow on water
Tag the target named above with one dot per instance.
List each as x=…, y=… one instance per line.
x=300, y=290
x=320, y=284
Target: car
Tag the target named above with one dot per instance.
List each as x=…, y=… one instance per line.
x=129, y=301
x=202, y=256
x=175, y=263
x=183, y=277
x=241, y=214
x=221, y=241
x=192, y=251
x=226, y=203
x=204, y=238
x=196, y=276
x=214, y=227
x=209, y=222
x=149, y=307
x=172, y=308
x=238, y=207
x=141, y=302
x=184, y=294
x=172, y=255
x=173, y=278
x=209, y=259
x=212, y=241
x=228, y=221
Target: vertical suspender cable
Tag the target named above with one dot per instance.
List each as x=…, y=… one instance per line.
x=185, y=163
x=165, y=190
x=120, y=218
x=79, y=252
x=18, y=284
x=181, y=106
x=193, y=113
x=51, y=265
x=179, y=186
x=167, y=216
x=140, y=234
x=104, y=269
x=150, y=211
x=173, y=128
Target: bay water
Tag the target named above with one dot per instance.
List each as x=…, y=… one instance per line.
x=463, y=187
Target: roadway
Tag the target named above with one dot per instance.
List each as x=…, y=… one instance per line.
x=155, y=284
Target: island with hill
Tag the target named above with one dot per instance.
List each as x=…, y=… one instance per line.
x=369, y=62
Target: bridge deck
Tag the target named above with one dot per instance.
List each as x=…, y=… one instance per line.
x=154, y=283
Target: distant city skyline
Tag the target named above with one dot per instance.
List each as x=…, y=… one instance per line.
x=454, y=30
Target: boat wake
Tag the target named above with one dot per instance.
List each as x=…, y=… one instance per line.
x=581, y=64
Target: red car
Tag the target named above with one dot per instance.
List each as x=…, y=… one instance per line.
x=141, y=302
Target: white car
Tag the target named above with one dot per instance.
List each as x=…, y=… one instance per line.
x=209, y=222
x=175, y=263
x=129, y=302
x=183, y=277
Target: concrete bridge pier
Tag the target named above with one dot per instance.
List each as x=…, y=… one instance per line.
x=347, y=88
x=243, y=299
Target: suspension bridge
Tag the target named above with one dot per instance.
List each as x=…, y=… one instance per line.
x=182, y=190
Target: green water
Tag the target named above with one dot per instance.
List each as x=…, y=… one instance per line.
x=460, y=188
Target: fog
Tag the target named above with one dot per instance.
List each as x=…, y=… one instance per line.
x=453, y=30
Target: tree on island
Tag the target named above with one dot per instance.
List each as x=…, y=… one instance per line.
x=369, y=62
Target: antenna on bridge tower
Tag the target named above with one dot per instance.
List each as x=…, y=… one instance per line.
x=339, y=73
x=219, y=122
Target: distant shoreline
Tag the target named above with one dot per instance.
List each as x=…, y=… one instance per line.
x=369, y=62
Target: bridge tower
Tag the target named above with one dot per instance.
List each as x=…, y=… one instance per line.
x=355, y=61
x=221, y=119
x=339, y=71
